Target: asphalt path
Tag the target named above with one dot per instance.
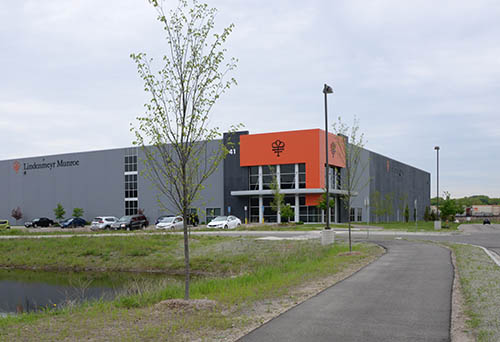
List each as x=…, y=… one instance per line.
x=405, y=295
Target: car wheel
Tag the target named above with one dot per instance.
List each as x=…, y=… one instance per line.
x=225, y=227
x=34, y=225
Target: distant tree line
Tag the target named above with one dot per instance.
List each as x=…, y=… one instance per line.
x=471, y=200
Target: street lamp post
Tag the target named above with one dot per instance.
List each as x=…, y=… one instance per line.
x=327, y=90
x=437, y=174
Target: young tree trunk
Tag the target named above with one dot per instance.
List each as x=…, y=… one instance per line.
x=349, y=224
x=186, y=256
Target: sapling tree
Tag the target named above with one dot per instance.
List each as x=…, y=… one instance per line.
x=181, y=149
x=77, y=212
x=59, y=212
x=377, y=204
x=278, y=198
x=350, y=147
x=287, y=212
x=322, y=203
x=389, y=211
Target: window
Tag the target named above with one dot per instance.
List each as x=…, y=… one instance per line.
x=352, y=216
x=130, y=186
x=131, y=207
x=267, y=176
x=338, y=182
x=360, y=215
x=254, y=178
x=287, y=176
x=308, y=213
x=130, y=163
x=302, y=176
x=130, y=167
x=254, y=209
x=269, y=214
x=212, y=213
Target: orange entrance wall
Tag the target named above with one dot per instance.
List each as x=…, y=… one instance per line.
x=305, y=146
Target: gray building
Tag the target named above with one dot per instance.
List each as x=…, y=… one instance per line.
x=111, y=182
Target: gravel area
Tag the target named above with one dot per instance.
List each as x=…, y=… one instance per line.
x=480, y=282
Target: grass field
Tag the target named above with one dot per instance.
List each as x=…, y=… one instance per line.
x=480, y=281
x=411, y=226
x=238, y=273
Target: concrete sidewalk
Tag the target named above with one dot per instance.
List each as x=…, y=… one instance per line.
x=403, y=296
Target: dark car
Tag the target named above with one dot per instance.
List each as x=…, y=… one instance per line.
x=486, y=221
x=131, y=222
x=73, y=222
x=39, y=222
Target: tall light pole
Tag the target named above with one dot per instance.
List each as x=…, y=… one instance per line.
x=327, y=90
x=437, y=174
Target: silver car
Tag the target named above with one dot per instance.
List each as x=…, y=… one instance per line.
x=102, y=222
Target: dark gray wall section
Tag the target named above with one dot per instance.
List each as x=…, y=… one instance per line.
x=389, y=176
x=211, y=196
x=235, y=177
x=363, y=185
x=96, y=185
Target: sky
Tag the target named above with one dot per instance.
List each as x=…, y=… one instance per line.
x=416, y=74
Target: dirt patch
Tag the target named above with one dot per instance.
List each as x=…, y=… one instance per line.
x=186, y=305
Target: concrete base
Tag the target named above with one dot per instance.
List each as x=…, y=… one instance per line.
x=327, y=237
x=437, y=225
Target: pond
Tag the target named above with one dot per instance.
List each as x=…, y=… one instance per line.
x=26, y=291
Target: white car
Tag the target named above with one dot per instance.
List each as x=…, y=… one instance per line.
x=225, y=222
x=172, y=222
x=102, y=222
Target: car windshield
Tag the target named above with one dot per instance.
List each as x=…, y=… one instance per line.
x=220, y=218
x=97, y=219
x=67, y=220
x=125, y=219
x=167, y=219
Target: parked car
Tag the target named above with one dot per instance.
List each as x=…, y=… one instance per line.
x=102, y=222
x=4, y=224
x=172, y=222
x=225, y=222
x=162, y=217
x=73, y=222
x=130, y=222
x=39, y=222
x=486, y=221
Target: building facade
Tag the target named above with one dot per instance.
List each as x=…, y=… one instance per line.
x=110, y=182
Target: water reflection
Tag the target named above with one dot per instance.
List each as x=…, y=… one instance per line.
x=25, y=291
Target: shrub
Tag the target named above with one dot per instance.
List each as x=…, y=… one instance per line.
x=17, y=214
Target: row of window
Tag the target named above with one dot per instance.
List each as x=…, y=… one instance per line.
x=290, y=176
x=130, y=181
x=306, y=213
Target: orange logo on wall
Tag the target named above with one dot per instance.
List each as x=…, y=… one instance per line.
x=17, y=166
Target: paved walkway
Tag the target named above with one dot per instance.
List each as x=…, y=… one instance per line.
x=403, y=296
